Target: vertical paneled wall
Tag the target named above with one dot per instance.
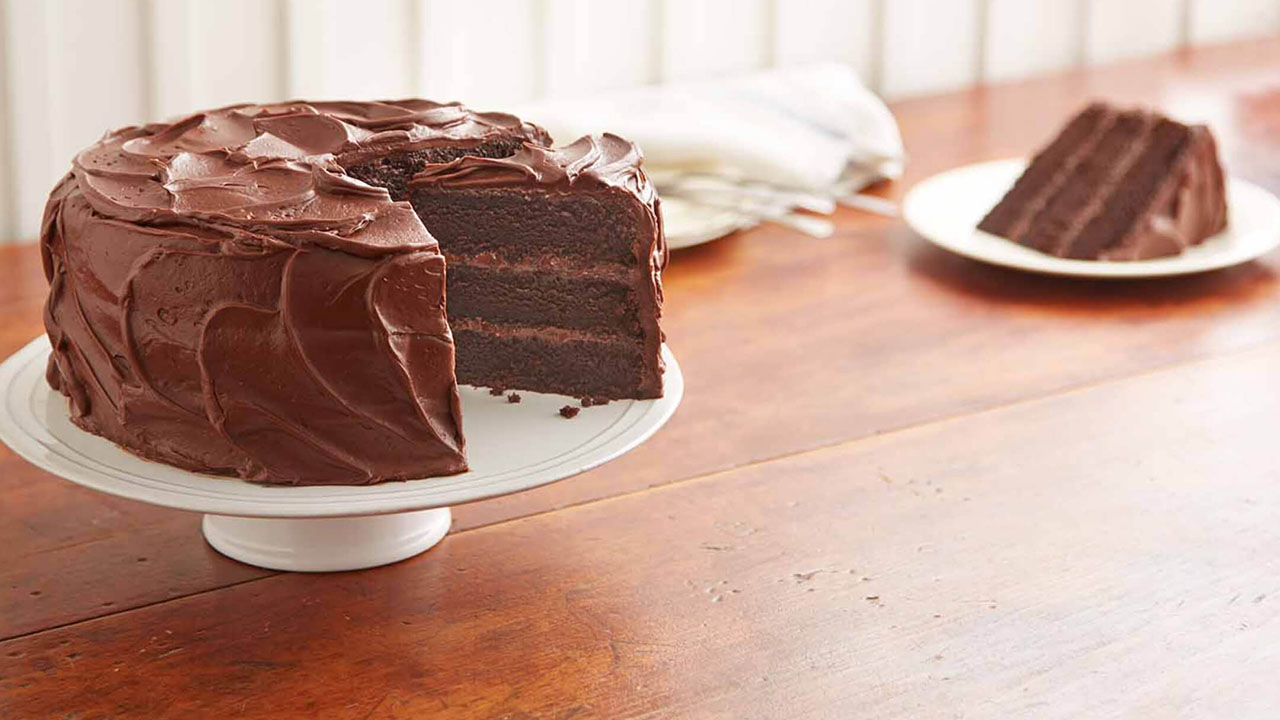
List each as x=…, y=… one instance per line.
x=193, y=60
x=930, y=45
x=592, y=46
x=74, y=68
x=488, y=52
x=1133, y=28
x=70, y=69
x=713, y=37
x=814, y=30
x=1029, y=37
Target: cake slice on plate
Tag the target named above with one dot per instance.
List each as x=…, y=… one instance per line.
x=1116, y=185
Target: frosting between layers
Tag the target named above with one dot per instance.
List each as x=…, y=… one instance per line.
x=546, y=333
x=224, y=298
x=568, y=266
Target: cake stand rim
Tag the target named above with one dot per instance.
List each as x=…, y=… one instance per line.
x=644, y=418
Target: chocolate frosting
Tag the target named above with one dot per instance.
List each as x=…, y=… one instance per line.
x=603, y=163
x=1189, y=207
x=225, y=298
x=594, y=161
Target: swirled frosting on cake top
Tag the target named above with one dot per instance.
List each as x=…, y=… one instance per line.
x=601, y=161
x=278, y=166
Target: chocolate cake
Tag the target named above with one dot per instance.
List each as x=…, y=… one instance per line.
x=1116, y=185
x=238, y=293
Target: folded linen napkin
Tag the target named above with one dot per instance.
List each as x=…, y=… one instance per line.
x=764, y=144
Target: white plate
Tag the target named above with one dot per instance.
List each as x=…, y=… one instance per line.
x=687, y=224
x=947, y=207
x=510, y=447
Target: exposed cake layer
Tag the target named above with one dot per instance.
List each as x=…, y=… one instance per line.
x=1119, y=185
x=604, y=300
x=1046, y=173
x=555, y=261
x=555, y=360
x=226, y=298
x=531, y=224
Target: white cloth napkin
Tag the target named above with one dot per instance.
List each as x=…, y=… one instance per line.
x=730, y=153
x=792, y=138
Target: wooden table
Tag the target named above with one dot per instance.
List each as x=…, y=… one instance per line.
x=902, y=484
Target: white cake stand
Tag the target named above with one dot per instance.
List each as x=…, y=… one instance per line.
x=510, y=447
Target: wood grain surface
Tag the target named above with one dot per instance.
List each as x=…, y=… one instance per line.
x=1060, y=493
x=1098, y=553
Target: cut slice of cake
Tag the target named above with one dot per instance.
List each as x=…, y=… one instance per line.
x=1116, y=185
x=554, y=261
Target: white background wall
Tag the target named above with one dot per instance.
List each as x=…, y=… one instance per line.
x=72, y=68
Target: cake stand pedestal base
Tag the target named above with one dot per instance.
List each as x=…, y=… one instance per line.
x=326, y=544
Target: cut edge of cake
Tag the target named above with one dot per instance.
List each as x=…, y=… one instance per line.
x=543, y=235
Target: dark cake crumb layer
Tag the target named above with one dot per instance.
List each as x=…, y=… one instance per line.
x=519, y=224
x=509, y=295
x=574, y=364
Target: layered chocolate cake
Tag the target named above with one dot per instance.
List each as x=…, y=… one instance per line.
x=234, y=293
x=1116, y=185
